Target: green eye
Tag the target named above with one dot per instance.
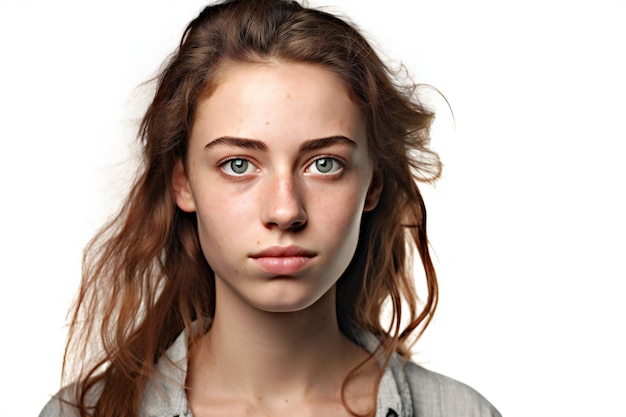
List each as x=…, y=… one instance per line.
x=237, y=167
x=325, y=166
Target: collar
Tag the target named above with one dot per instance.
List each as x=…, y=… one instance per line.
x=165, y=395
x=394, y=394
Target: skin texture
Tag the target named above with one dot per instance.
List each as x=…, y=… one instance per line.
x=279, y=175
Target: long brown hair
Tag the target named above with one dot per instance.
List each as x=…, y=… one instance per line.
x=145, y=279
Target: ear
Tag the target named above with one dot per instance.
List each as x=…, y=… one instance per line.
x=182, y=192
x=373, y=193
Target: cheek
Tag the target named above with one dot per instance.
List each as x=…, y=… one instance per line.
x=340, y=212
x=220, y=232
x=219, y=221
x=221, y=207
x=208, y=229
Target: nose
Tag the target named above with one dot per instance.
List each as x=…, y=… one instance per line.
x=283, y=205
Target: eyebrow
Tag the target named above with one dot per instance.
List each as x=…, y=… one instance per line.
x=240, y=142
x=320, y=143
x=255, y=144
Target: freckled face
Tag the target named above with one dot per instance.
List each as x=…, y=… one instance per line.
x=279, y=175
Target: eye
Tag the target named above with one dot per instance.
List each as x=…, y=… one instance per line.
x=325, y=166
x=237, y=167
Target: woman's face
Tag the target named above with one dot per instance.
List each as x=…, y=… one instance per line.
x=279, y=175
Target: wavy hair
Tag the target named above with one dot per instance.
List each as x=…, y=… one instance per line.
x=145, y=279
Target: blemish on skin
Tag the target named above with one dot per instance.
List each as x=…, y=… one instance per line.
x=288, y=96
x=267, y=123
x=258, y=242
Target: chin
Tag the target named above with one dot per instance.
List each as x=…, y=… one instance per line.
x=285, y=305
x=290, y=301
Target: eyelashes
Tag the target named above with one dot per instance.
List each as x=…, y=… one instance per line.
x=324, y=165
x=237, y=167
x=320, y=166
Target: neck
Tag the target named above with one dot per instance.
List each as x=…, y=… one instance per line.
x=271, y=357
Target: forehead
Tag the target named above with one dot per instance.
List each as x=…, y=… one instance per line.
x=291, y=74
x=289, y=99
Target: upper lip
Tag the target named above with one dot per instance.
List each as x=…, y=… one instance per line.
x=283, y=251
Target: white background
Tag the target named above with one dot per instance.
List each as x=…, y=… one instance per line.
x=527, y=223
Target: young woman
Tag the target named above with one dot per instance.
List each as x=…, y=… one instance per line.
x=271, y=225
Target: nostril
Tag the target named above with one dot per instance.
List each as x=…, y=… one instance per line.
x=297, y=224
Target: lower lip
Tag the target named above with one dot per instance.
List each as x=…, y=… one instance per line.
x=282, y=265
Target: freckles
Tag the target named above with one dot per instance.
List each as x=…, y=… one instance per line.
x=335, y=213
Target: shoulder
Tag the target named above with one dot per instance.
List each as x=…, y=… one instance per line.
x=56, y=407
x=434, y=394
x=61, y=404
x=164, y=393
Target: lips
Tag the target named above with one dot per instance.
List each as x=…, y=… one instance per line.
x=282, y=260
